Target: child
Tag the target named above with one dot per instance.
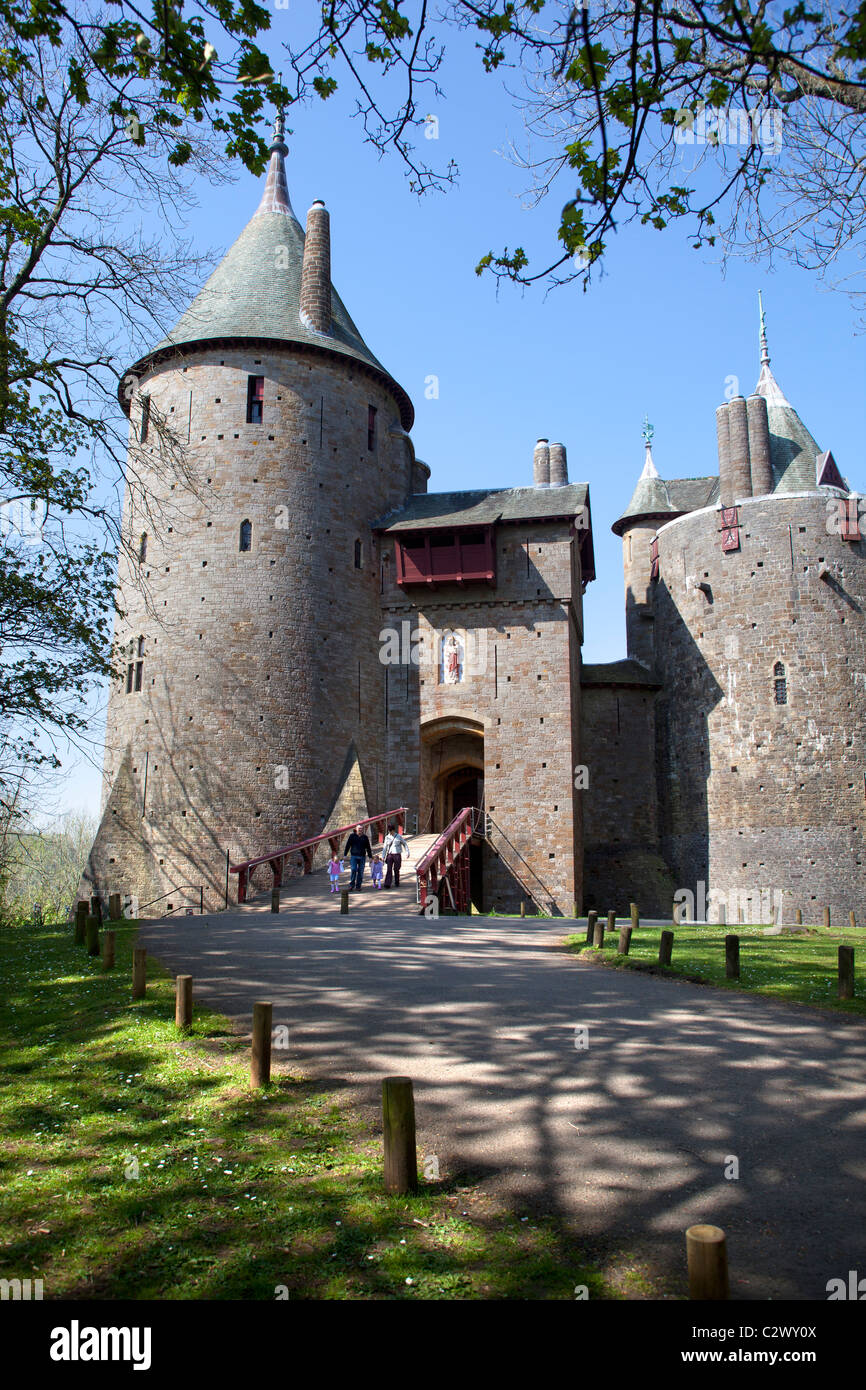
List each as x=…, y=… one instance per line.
x=377, y=868
x=335, y=868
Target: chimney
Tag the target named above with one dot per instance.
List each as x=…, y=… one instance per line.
x=541, y=464
x=723, y=434
x=315, y=307
x=741, y=470
x=759, y=446
x=558, y=466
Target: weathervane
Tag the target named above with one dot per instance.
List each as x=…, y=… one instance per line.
x=765, y=353
x=648, y=431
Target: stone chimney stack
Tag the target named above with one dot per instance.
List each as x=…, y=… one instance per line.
x=541, y=464
x=741, y=467
x=723, y=434
x=759, y=446
x=315, y=309
x=558, y=466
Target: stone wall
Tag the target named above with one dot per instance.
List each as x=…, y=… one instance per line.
x=761, y=796
x=622, y=860
x=516, y=712
x=261, y=673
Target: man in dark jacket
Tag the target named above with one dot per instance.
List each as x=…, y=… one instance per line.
x=358, y=849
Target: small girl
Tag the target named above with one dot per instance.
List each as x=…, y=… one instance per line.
x=376, y=870
x=335, y=868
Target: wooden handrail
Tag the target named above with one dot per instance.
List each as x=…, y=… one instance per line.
x=306, y=848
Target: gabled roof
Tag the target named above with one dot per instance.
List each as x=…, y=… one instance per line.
x=489, y=506
x=484, y=506
x=254, y=293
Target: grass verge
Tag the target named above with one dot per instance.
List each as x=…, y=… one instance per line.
x=138, y=1164
x=796, y=969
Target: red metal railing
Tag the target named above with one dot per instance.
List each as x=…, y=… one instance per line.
x=307, y=848
x=447, y=860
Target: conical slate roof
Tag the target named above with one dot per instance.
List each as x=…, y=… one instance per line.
x=793, y=451
x=254, y=293
x=657, y=498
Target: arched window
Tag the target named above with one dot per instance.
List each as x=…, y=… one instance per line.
x=142, y=548
x=359, y=555
x=780, y=684
x=246, y=542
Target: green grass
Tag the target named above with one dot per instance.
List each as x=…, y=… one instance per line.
x=796, y=969
x=138, y=1164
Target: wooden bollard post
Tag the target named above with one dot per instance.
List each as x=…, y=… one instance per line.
x=611, y=921
x=574, y=912
x=114, y=913
x=108, y=951
x=96, y=908
x=139, y=972
x=591, y=919
x=846, y=972
x=91, y=935
x=666, y=946
x=707, y=1256
x=598, y=934
x=260, y=1064
x=635, y=916
x=799, y=917
x=625, y=939
x=732, y=957
x=81, y=915
x=852, y=920
x=183, y=1001
x=826, y=916
x=275, y=900
x=344, y=900
x=522, y=907
x=398, y=1128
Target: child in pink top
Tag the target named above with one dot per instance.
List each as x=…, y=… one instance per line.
x=335, y=868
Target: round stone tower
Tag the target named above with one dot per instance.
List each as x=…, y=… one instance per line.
x=250, y=710
x=761, y=650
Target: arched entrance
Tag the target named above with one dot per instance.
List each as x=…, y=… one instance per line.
x=452, y=767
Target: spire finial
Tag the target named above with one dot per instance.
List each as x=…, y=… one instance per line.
x=278, y=144
x=649, y=468
x=765, y=352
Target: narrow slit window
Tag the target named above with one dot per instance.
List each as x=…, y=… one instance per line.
x=255, y=399
x=359, y=555
x=139, y=663
x=371, y=427
x=142, y=548
x=246, y=538
x=130, y=671
x=780, y=684
x=145, y=419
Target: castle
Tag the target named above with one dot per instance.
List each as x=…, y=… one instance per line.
x=317, y=638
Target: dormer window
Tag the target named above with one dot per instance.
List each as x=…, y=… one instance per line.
x=255, y=399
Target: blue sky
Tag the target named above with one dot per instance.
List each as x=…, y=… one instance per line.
x=659, y=334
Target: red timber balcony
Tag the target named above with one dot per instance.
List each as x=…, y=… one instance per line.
x=306, y=848
x=460, y=555
x=445, y=866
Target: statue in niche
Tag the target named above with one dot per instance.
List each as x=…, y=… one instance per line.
x=452, y=659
